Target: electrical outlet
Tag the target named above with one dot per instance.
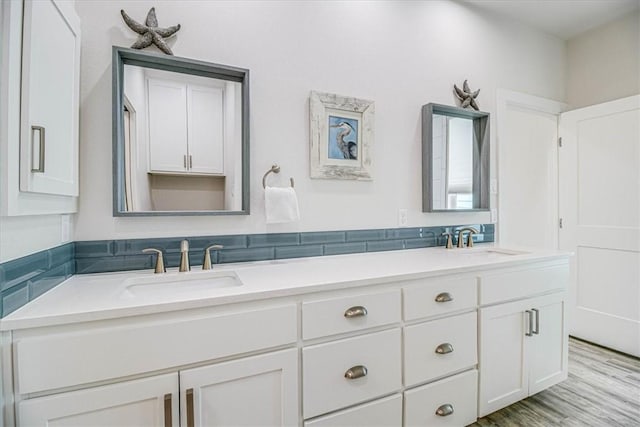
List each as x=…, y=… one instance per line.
x=65, y=228
x=403, y=219
x=493, y=186
x=494, y=216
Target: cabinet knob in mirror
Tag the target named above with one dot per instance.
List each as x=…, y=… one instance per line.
x=444, y=410
x=444, y=297
x=357, y=311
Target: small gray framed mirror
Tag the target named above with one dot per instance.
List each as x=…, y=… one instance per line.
x=455, y=159
x=180, y=136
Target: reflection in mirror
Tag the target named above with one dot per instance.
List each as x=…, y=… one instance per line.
x=455, y=159
x=181, y=136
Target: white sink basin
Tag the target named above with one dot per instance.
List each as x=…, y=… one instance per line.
x=488, y=253
x=197, y=284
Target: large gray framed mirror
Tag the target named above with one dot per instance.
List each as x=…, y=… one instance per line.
x=180, y=136
x=455, y=159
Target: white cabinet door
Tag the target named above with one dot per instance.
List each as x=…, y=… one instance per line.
x=50, y=93
x=148, y=402
x=550, y=341
x=255, y=391
x=503, y=353
x=167, y=126
x=206, y=131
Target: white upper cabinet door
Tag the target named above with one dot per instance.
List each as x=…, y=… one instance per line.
x=149, y=402
x=167, y=126
x=206, y=131
x=255, y=391
x=49, y=99
x=549, y=352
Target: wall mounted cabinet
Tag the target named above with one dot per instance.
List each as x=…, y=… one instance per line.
x=40, y=107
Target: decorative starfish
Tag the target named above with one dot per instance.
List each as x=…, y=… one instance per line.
x=150, y=33
x=466, y=96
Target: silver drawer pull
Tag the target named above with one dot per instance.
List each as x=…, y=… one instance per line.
x=357, y=311
x=39, y=131
x=444, y=348
x=444, y=410
x=444, y=297
x=167, y=410
x=356, y=372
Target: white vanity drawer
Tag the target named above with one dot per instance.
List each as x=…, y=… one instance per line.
x=332, y=316
x=385, y=412
x=460, y=392
x=94, y=354
x=324, y=368
x=430, y=297
x=514, y=285
x=437, y=348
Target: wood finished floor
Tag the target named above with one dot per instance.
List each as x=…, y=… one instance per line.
x=603, y=389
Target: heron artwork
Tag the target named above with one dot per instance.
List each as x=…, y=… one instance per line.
x=345, y=138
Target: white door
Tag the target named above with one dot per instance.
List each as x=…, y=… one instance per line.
x=167, y=126
x=255, y=391
x=600, y=210
x=206, y=131
x=50, y=96
x=549, y=350
x=150, y=402
x=527, y=170
x=504, y=378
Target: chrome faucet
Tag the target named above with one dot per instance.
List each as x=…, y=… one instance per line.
x=206, y=262
x=471, y=231
x=184, y=256
x=159, y=268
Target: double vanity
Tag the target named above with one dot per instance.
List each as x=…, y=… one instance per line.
x=413, y=337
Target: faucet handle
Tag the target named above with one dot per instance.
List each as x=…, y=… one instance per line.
x=206, y=262
x=449, y=244
x=160, y=268
x=472, y=231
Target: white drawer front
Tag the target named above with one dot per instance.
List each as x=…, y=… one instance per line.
x=420, y=296
x=67, y=359
x=385, y=412
x=456, y=337
x=330, y=316
x=523, y=283
x=460, y=392
x=325, y=387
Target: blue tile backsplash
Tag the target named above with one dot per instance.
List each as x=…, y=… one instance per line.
x=26, y=278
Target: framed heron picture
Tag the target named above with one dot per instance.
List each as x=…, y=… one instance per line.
x=341, y=130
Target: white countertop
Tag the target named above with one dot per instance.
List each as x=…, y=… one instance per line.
x=89, y=297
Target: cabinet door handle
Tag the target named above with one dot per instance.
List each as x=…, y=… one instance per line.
x=356, y=372
x=444, y=297
x=444, y=348
x=41, y=151
x=444, y=410
x=190, y=161
x=167, y=410
x=184, y=161
x=537, y=329
x=357, y=311
x=529, y=314
x=190, y=410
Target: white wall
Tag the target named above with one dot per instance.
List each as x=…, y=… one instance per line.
x=399, y=54
x=604, y=63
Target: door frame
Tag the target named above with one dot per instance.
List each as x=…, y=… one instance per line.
x=504, y=99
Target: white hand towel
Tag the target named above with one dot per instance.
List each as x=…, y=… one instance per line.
x=281, y=204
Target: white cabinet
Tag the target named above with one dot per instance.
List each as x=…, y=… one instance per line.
x=255, y=391
x=40, y=107
x=523, y=349
x=385, y=412
x=146, y=402
x=186, y=128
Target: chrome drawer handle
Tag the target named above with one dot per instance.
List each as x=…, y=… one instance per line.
x=356, y=372
x=444, y=410
x=444, y=297
x=167, y=410
x=357, y=311
x=444, y=348
x=537, y=329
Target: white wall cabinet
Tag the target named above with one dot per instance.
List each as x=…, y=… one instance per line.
x=40, y=107
x=523, y=349
x=186, y=128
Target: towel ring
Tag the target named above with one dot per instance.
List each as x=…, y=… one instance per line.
x=274, y=169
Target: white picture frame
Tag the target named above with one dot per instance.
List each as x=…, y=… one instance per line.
x=341, y=133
